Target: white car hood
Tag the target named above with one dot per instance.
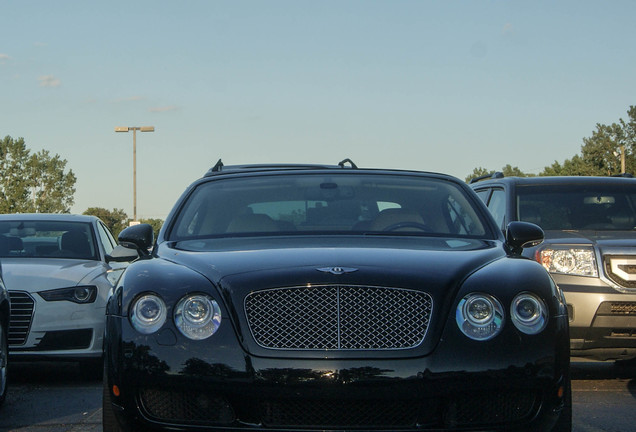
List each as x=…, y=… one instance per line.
x=32, y=275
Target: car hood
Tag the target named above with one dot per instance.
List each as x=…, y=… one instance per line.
x=28, y=274
x=602, y=239
x=438, y=261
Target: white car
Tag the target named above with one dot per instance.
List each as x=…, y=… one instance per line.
x=59, y=273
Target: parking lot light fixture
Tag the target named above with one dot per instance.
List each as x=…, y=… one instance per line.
x=134, y=130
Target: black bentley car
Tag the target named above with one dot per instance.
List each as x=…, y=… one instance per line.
x=334, y=298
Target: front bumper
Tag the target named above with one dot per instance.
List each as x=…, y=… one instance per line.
x=602, y=323
x=166, y=383
x=55, y=330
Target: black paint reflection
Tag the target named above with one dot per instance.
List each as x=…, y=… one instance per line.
x=341, y=376
x=142, y=360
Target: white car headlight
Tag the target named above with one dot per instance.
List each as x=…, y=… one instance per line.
x=529, y=313
x=197, y=316
x=148, y=313
x=479, y=316
x=79, y=294
x=578, y=261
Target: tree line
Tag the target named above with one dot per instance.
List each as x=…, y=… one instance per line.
x=40, y=183
x=611, y=150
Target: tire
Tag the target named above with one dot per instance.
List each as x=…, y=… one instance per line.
x=4, y=362
x=109, y=421
x=564, y=424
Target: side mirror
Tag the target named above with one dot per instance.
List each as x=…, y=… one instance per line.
x=122, y=254
x=137, y=237
x=520, y=235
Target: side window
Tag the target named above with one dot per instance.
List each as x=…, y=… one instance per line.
x=497, y=206
x=483, y=194
x=106, y=238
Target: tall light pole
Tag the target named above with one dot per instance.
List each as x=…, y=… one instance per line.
x=134, y=129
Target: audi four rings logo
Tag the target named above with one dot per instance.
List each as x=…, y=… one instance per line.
x=337, y=270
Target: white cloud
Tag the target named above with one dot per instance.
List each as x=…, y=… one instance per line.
x=508, y=29
x=164, y=109
x=49, y=81
x=129, y=99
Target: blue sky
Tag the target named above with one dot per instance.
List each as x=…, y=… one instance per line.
x=442, y=86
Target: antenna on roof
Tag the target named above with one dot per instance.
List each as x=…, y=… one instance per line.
x=349, y=161
x=218, y=167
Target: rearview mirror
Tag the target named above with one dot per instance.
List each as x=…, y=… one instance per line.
x=137, y=237
x=122, y=254
x=520, y=235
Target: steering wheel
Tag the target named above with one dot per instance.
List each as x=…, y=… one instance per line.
x=399, y=225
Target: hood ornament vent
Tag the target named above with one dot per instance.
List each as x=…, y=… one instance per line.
x=337, y=270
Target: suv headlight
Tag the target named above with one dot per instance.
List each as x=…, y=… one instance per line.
x=479, y=316
x=197, y=316
x=528, y=313
x=579, y=261
x=148, y=313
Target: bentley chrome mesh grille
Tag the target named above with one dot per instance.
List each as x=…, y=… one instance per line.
x=336, y=317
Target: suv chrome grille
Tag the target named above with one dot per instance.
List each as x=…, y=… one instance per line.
x=335, y=317
x=22, y=305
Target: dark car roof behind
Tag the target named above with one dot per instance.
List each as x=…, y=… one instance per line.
x=555, y=180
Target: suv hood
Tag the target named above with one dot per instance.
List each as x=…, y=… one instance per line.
x=602, y=239
x=27, y=274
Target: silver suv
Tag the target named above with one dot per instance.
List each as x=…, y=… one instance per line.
x=589, y=249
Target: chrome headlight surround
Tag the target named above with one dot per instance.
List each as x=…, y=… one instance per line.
x=148, y=313
x=529, y=313
x=480, y=316
x=569, y=260
x=197, y=316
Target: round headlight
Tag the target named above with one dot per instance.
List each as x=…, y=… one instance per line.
x=197, y=316
x=479, y=310
x=479, y=316
x=82, y=294
x=528, y=312
x=148, y=313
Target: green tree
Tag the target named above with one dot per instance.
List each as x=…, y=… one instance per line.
x=35, y=182
x=507, y=171
x=602, y=152
x=571, y=167
x=155, y=223
x=116, y=220
x=478, y=172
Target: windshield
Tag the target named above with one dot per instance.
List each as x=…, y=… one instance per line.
x=334, y=203
x=46, y=239
x=595, y=207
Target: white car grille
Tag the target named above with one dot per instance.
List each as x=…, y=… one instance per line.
x=22, y=305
